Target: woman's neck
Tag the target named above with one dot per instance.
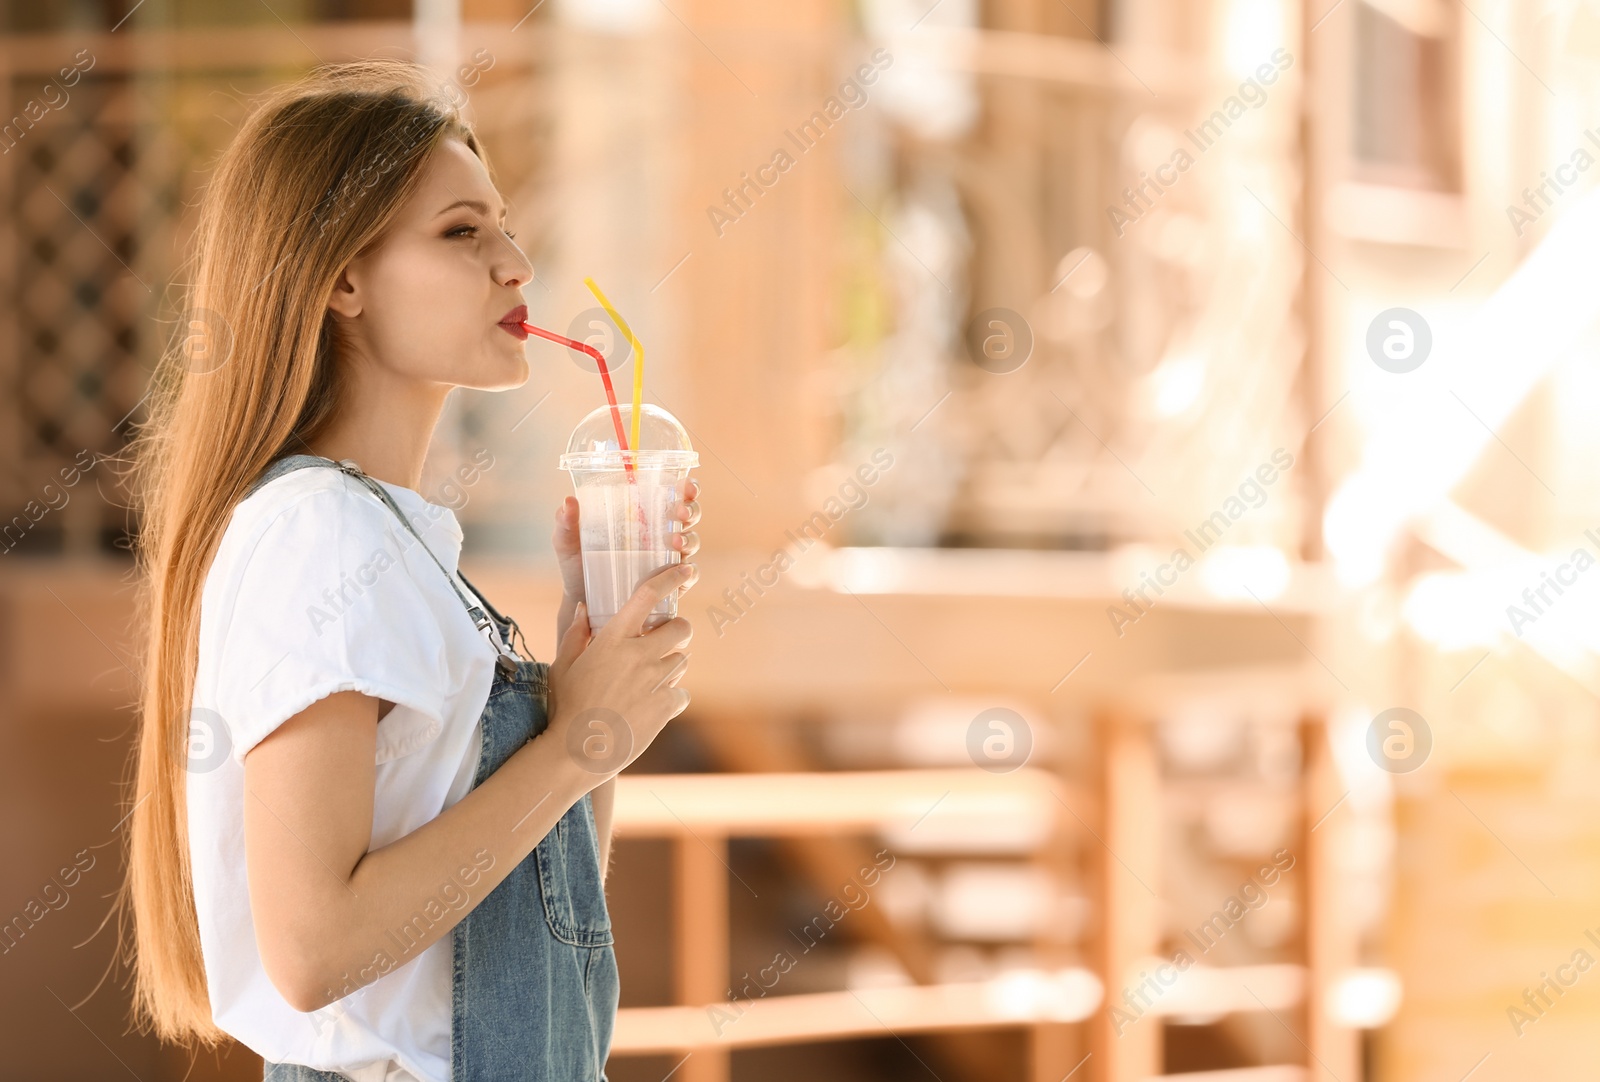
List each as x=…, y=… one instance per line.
x=385, y=423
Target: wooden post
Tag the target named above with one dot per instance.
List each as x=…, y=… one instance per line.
x=754, y=300
x=1055, y=1049
x=700, y=940
x=1334, y=1051
x=1314, y=464
x=1129, y=846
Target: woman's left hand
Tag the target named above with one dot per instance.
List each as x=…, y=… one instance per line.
x=569, y=553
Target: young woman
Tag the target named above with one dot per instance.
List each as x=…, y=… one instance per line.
x=367, y=840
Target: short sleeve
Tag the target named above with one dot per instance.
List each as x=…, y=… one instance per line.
x=326, y=599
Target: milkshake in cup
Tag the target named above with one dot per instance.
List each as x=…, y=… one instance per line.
x=625, y=522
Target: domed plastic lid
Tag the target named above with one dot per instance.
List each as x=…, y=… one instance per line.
x=663, y=442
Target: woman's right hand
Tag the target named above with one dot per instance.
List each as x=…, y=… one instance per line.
x=612, y=693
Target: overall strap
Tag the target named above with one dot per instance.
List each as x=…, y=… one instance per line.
x=515, y=630
x=506, y=661
x=287, y=464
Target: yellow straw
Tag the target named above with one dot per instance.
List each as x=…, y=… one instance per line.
x=638, y=362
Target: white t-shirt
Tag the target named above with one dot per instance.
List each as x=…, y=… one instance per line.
x=317, y=587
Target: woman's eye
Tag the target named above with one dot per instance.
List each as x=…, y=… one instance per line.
x=457, y=231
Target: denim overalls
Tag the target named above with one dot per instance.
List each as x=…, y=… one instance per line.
x=534, y=989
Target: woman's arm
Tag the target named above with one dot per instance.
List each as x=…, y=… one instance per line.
x=330, y=916
x=603, y=797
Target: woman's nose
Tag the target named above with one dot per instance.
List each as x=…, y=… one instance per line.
x=515, y=269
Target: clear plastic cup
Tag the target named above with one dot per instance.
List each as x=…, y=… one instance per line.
x=625, y=523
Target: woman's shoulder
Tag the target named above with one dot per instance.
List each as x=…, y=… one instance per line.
x=312, y=509
x=306, y=551
x=310, y=593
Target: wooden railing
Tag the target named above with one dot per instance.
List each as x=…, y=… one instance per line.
x=698, y=813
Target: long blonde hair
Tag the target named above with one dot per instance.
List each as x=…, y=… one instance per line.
x=313, y=179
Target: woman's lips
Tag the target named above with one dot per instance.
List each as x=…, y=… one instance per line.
x=512, y=323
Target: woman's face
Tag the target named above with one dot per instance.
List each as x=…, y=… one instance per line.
x=426, y=303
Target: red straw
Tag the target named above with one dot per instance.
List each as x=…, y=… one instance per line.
x=605, y=377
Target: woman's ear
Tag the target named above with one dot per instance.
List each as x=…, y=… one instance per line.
x=345, y=301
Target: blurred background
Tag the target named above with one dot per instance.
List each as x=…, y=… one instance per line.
x=1147, y=622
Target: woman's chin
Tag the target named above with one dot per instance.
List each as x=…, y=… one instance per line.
x=502, y=373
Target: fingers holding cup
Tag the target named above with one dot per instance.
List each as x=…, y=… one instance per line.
x=687, y=508
x=687, y=513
